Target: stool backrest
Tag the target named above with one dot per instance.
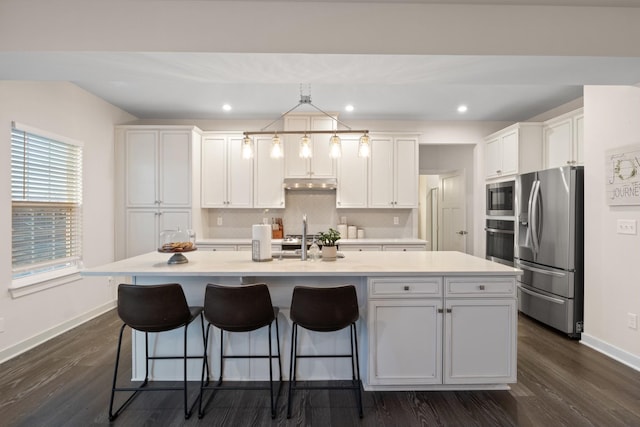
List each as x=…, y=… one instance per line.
x=238, y=308
x=324, y=309
x=153, y=308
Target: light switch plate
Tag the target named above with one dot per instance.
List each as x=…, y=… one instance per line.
x=626, y=226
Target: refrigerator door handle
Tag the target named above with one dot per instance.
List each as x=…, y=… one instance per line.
x=528, y=223
x=544, y=297
x=526, y=266
x=533, y=220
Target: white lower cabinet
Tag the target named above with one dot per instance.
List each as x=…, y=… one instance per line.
x=405, y=341
x=424, y=335
x=480, y=344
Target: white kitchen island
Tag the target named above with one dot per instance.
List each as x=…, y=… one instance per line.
x=429, y=320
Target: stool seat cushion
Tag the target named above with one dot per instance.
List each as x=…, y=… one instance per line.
x=154, y=308
x=239, y=308
x=324, y=309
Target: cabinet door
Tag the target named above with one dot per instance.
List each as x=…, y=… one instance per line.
x=175, y=168
x=558, y=144
x=322, y=165
x=295, y=167
x=381, y=173
x=509, y=153
x=174, y=219
x=141, y=232
x=214, y=172
x=493, y=158
x=480, y=341
x=239, y=175
x=406, y=173
x=352, y=176
x=268, y=176
x=405, y=341
x=141, y=168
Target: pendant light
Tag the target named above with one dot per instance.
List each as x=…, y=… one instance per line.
x=276, y=147
x=247, y=148
x=305, y=147
x=364, y=148
x=306, y=151
x=335, y=147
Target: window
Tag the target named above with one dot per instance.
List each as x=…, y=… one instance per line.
x=46, y=194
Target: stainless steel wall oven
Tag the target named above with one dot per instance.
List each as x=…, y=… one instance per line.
x=500, y=240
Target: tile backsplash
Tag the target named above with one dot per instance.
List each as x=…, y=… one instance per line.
x=320, y=207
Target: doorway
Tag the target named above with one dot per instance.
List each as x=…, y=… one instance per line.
x=442, y=211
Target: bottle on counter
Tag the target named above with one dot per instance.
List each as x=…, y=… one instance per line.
x=314, y=251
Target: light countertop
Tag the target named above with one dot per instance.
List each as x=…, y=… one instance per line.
x=366, y=241
x=239, y=263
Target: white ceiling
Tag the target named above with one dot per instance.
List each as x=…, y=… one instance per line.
x=174, y=85
x=262, y=86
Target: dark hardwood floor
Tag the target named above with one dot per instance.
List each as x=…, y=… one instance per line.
x=66, y=381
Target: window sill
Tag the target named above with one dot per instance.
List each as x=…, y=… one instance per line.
x=41, y=282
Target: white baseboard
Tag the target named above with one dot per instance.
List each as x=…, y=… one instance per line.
x=612, y=351
x=28, y=344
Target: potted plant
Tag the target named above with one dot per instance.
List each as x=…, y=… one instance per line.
x=328, y=242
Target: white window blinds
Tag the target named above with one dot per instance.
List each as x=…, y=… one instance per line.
x=46, y=193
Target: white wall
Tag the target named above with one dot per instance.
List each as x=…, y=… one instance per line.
x=612, y=261
x=62, y=109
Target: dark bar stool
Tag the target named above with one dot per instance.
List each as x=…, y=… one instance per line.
x=155, y=308
x=325, y=310
x=241, y=309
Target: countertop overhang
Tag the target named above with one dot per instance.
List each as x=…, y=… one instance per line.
x=218, y=264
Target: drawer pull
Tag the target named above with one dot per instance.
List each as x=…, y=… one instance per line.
x=406, y=287
x=440, y=310
x=481, y=287
x=448, y=310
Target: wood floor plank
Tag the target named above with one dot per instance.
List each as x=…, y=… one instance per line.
x=66, y=382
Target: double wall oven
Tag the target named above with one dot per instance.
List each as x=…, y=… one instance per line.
x=500, y=222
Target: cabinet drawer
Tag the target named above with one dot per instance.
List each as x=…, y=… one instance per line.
x=404, y=248
x=405, y=288
x=477, y=286
x=346, y=248
x=217, y=247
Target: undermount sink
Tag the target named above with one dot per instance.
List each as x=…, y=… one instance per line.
x=295, y=254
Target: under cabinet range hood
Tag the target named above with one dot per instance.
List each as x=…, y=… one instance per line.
x=316, y=184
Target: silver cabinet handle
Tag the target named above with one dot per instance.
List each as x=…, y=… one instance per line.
x=462, y=232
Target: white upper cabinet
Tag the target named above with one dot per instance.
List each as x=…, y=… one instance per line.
x=157, y=168
x=268, y=176
x=352, y=176
x=226, y=178
x=564, y=140
x=393, y=172
x=513, y=150
x=320, y=165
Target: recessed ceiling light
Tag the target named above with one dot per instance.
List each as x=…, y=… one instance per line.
x=462, y=109
x=349, y=107
x=226, y=107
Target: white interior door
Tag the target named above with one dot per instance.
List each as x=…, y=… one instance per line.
x=452, y=218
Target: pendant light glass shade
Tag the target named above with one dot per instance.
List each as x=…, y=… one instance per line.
x=364, y=149
x=305, y=147
x=335, y=147
x=247, y=148
x=276, y=147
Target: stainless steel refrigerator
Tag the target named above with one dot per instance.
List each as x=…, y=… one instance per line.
x=549, y=247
